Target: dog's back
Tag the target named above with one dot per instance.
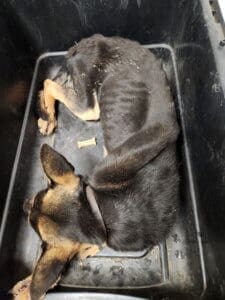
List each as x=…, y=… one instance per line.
x=137, y=184
x=132, y=88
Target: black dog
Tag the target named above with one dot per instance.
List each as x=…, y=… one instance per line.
x=130, y=199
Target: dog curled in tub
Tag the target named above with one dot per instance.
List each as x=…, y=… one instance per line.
x=129, y=200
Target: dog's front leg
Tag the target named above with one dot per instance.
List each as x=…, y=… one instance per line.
x=21, y=291
x=46, y=107
x=53, y=91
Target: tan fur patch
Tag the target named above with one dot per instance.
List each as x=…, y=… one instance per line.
x=67, y=179
x=63, y=252
x=46, y=127
x=48, y=98
x=48, y=231
x=53, y=91
x=49, y=234
x=69, y=249
x=55, y=197
x=21, y=290
x=87, y=250
x=47, y=104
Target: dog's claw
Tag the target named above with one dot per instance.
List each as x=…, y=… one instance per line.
x=21, y=291
x=46, y=127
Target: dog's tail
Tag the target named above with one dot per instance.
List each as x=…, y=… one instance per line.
x=120, y=166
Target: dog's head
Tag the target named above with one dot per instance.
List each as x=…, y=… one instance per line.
x=63, y=219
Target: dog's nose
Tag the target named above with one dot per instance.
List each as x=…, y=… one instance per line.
x=27, y=205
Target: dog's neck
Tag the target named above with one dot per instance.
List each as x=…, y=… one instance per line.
x=95, y=208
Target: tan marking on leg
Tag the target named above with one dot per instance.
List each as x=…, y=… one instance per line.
x=47, y=104
x=87, y=250
x=21, y=290
x=52, y=92
x=49, y=97
x=49, y=233
x=91, y=114
x=63, y=247
x=64, y=253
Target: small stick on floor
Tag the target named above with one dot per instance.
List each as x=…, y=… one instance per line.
x=86, y=143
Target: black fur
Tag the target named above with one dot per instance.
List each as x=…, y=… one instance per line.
x=137, y=185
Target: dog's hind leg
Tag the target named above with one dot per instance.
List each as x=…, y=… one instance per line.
x=119, y=167
x=53, y=91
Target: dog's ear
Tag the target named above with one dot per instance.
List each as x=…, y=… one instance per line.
x=49, y=268
x=57, y=168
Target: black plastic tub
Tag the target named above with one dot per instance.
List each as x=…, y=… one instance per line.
x=183, y=34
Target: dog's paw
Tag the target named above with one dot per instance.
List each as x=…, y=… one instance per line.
x=46, y=122
x=88, y=250
x=46, y=127
x=21, y=291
